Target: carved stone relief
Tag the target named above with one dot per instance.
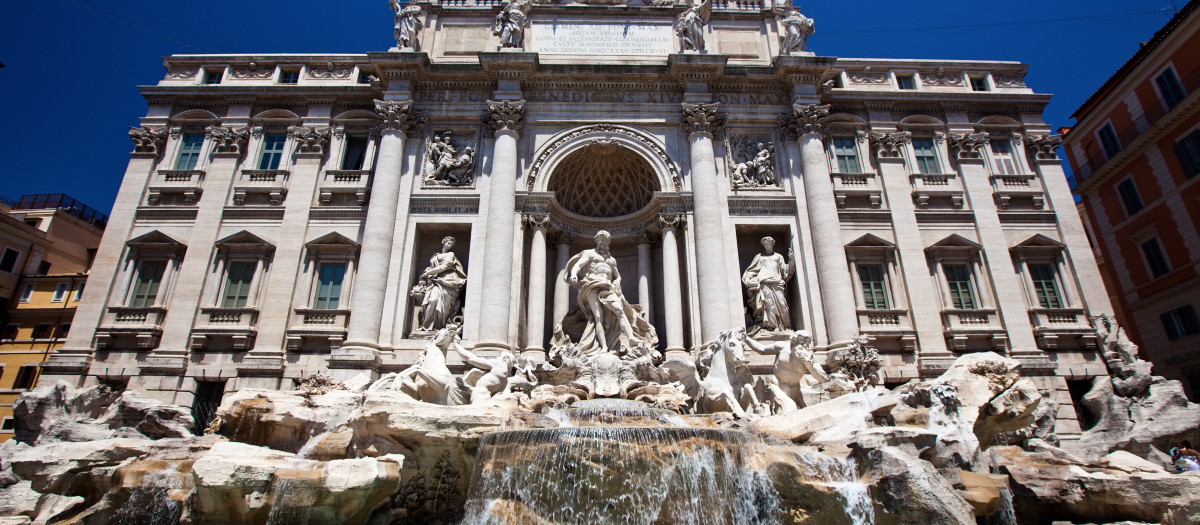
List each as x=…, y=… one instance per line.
x=805, y=119
x=940, y=79
x=1009, y=81
x=331, y=71
x=702, y=118
x=397, y=115
x=1043, y=147
x=751, y=162
x=866, y=76
x=450, y=159
x=253, y=70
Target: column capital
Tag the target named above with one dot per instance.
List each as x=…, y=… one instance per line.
x=671, y=221
x=805, y=119
x=561, y=238
x=230, y=141
x=643, y=237
x=1043, y=147
x=310, y=140
x=398, y=115
x=536, y=221
x=702, y=118
x=968, y=146
x=505, y=115
x=890, y=145
x=148, y=141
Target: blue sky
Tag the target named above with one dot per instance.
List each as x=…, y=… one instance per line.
x=73, y=66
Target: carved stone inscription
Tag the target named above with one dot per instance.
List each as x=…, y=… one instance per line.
x=612, y=97
x=580, y=38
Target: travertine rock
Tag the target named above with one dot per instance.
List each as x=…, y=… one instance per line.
x=983, y=491
x=909, y=491
x=1159, y=419
x=832, y=421
x=60, y=413
x=54, y=467
x=19, y=499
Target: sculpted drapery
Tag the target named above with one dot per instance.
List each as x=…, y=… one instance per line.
x=766, y=284
x=439, y=289
x=613, y=324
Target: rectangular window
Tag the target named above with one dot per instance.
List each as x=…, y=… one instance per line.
x=62, y=330
x=1180, y=322
x=1155, y=258
x=356, y=153
x=272, y=151
x=1045, y=285
x=43, y=330
x=289, y=76
x=10, y=331
x=79, y=292
x=43, y=268
x=979, y=84
x=962, y=294
x=189, y=151
x=1130, y=197
x=237, y=283
x=874, y=292
x=1188, y=153
x=145, y=287
x=906, y=82
x=1172, y=91
x=27, y=293
x=329, y=286
x=8, y=425
x=26, y=377
x=213, y=76
x=846, y=154
x=60, y=292
x=1003, y=156
x=1108, y=139
x=8, y=261
x=926, y=157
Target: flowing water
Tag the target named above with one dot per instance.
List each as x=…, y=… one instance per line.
x=150, y=503
x=618, y=462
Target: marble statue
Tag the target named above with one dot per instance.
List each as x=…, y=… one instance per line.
x=439, y=288
x=859, y=363
x=794, y=29
x=766, y=284
x=1114, y=343
x=718, y=380
x=408, y=24
x=428, y=380
x=501, y=374
x=794, y=359
x=510, y=23
x=445, y=165
x=613, y=324
x=690, y=25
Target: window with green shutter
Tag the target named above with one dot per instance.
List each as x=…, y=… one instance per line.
x=962, y=294
x=146, y=285
x=329, y=286
x=1045, y=285
x=873, y=290
x=845, y=154
x=926, y=159
x=238, y=277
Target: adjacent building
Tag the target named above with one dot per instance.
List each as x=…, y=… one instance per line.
x=51, y=239
x=278, y=210
x=1135, y=152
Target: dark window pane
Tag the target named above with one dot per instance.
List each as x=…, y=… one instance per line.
x=272, y=151
x=1155, y=258
x=356, y=153
x=1130, y=197
x=1108, y=138
x=9, y=260
x=145, y=288
x=1171, y=89
x=1188, y=153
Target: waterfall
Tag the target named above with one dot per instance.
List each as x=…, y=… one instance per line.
x=150, y=502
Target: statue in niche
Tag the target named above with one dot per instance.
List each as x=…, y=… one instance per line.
x=794, y=359
x=766, y=284
x=439, y=289
x=794, y=29
x=690, y=24
x=612, y=322
x=445, y=165
x=754, y=163
x=428, y=380
x=510, y=23
x=408, y=24
x=501, y=374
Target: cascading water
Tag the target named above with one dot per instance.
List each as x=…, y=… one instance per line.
x=151, y=502
x=622, y=462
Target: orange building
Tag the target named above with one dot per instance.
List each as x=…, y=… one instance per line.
x=1135, y=151
x=47, y=243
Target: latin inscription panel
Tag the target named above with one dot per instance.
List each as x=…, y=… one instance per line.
x=589, y=38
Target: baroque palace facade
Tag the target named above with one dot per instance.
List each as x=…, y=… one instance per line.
x=290, y=215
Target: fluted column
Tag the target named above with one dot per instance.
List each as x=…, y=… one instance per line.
x=396, y=121
x=645, y=275
x=562, y=290
x=700, y=121
x=807, y=123
x=504, y=119
x=672, y=292
x=535, y=307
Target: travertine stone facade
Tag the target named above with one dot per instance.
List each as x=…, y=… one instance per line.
x=277, y=229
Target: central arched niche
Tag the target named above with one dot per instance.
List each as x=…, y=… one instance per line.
x=604, y=179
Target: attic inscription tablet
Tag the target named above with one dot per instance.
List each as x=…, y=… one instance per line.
x=589, y=38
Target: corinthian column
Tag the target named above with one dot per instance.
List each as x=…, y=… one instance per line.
x=562, y=291
x=644, y=276
x=504, y=119
x=396, y=121
x=535, y=307
x=700, y=121
x=672, y=292
x=806, y=124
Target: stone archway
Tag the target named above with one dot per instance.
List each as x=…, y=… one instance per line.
x=604, y=180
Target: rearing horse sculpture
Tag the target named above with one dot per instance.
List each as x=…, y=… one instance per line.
x=428, y=380
x=726, y=380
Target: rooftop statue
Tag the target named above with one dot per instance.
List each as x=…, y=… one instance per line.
x=408, y=24
x=794, y=29
x=690, y=24
x=510, y=23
